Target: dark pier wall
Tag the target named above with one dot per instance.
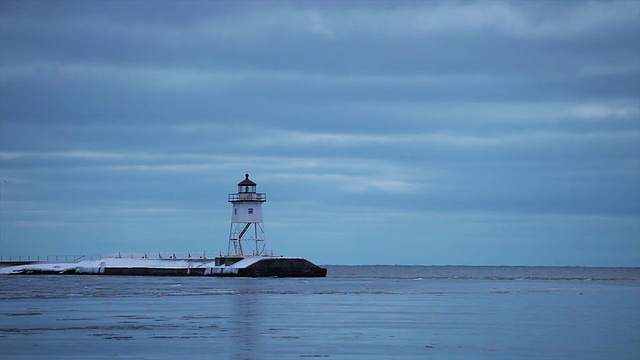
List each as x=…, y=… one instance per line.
x=283, y=268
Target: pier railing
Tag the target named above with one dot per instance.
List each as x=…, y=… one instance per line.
x=157, y=255
x=65, y=258
x=162, y=255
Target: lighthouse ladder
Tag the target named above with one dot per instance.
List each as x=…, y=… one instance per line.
x=244, y=230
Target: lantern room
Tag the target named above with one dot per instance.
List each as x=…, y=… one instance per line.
x=246, y=185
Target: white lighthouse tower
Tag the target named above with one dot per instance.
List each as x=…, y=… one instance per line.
x=247, y=225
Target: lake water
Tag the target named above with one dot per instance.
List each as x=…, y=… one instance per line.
x=369, y=312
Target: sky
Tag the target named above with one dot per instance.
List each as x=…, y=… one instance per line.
x=383, y=132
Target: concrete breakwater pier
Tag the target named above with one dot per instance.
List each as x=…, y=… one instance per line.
x=251, y=266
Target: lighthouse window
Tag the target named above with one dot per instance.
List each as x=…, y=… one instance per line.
x=250, y=210
x=235, y=211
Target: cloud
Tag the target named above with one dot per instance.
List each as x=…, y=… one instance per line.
x=470, y=123
x=606, y=111
x=527, y=19
x=412, y=38
x=281, y=138
x=355, y=183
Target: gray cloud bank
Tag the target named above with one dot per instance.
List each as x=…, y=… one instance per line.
x=468, y=132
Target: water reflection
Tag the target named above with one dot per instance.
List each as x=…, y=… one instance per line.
x=246, y=320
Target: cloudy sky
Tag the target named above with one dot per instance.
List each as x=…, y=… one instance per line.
x=382, y=132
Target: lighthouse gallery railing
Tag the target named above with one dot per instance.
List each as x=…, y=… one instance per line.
x=247, y=197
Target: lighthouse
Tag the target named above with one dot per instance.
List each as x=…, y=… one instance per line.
x=246, y=236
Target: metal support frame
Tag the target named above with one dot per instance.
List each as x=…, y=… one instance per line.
x=255, y=240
